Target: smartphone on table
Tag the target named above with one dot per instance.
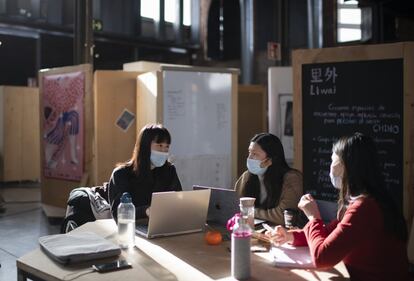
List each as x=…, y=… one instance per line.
x=111, y=266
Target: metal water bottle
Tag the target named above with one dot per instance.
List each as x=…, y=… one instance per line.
x=240, y=249
x=126, y=222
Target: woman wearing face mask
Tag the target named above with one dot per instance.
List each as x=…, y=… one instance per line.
x=269, y=179
x=370, y=234
x=146, y=172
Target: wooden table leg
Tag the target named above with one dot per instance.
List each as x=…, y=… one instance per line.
x=21, y=276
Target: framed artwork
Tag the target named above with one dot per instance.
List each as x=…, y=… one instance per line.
x=63, y=125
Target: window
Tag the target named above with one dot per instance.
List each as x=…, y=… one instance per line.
x=187, y=12
x=170, y=10
x=150, y=9
x=349, y=21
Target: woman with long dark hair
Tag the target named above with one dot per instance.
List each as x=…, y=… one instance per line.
x=269, y=179
x=146, y=172
x=369, y=234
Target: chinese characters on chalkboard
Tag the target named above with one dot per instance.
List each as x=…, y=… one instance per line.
x=323, y=81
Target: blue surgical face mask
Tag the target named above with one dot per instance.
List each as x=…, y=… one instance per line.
x=335, y=180
x=254, y=167
x=158, y=158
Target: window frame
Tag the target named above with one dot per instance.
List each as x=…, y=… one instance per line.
x=341, y=6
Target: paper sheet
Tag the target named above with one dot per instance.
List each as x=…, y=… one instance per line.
x=290, y=256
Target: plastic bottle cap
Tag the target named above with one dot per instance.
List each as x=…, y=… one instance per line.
x=247, y=201
x=126, y=198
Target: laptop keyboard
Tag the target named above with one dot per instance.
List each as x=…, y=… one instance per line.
x=142, y=228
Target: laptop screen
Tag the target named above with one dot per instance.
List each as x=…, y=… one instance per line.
x=176, y=212
x=224, y=203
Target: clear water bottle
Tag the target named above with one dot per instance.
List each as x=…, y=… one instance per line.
x=126, y=222
x=247, y=209
x=240, y=249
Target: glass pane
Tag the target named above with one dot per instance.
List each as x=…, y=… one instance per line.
x=349, y=16
x=353, y=2
x=349, y=34
x=170, y=10
x=150, y=9
x=187, y=12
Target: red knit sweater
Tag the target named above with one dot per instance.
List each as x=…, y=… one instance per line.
x=360, y=241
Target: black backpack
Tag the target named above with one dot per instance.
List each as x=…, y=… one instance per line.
x=86, y=204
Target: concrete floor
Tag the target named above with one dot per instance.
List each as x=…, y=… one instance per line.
x=21, y=225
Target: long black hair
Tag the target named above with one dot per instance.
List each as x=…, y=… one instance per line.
x=273, y=177
x=362, y=175
x=140, y=159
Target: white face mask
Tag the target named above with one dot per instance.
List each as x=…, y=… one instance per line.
x=254, y=167
x=336, y=180
x=158, y=158
x=338, y=168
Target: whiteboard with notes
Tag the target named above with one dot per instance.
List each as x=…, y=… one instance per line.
x=197, y=110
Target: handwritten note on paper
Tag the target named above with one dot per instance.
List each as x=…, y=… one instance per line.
x=175, y=104
x=222, y=116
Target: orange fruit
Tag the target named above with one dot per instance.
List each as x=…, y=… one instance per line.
x=213, y=237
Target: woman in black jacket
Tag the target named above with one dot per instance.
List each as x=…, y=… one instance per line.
x=146, y=172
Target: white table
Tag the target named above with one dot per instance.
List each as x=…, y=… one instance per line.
x=182, y=257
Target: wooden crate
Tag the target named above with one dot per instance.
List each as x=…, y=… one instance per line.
x=19, y=134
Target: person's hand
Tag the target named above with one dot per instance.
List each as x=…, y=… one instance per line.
x=308, y=205
x=279, y=236
x=147, y=211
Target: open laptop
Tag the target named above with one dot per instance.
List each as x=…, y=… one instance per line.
x=224, y=203
x=175, y=212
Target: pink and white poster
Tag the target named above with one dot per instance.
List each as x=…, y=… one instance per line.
x=63, y=126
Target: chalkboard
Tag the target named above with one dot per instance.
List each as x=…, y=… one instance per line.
x=341, y=98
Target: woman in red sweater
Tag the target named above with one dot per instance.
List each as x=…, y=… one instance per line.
x=370, y=234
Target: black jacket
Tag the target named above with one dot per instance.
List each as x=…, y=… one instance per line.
x=123, y=179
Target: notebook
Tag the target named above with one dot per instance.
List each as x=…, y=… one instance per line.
x=175, y=212
x=224, y=203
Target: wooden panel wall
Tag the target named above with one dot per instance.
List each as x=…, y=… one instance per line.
x=252, y=119
x=114, y=91
x=19, y=145
x=148, y=85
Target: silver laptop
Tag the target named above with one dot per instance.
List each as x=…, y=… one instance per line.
x=175, y=212
x=224, y=203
